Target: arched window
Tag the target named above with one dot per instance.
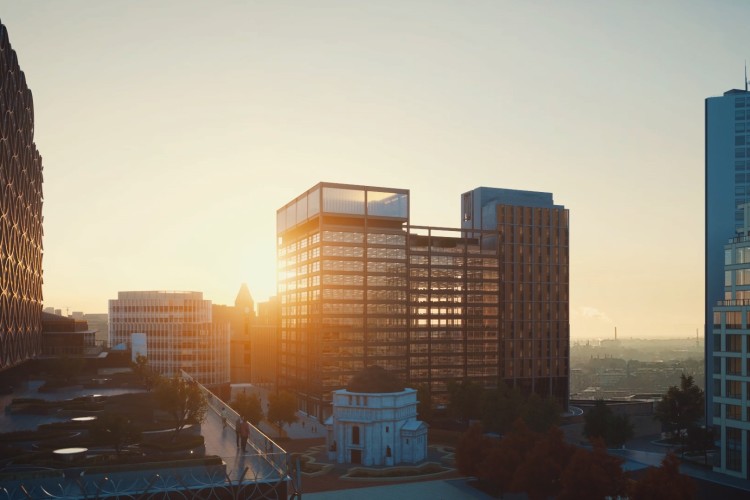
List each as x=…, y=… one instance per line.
x=355, y=434
x=388, y=452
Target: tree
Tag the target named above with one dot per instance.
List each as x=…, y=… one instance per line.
x=501, y=407
x=601, y=423
x=148, y=377
x=464, y=399
x=681, y=407
x=541, y=414
x=471, y=450
x=249, y=408
x=183, y=400
x=664, y=483
x=700, y=439
x=539, y=473
x=282, y=409
x=592, y=475
x=424, y=403
x=501, y=463
x=115, y=430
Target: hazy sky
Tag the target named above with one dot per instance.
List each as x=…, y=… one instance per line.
x=171, y=131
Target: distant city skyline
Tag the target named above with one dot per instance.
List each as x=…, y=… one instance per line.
x=172, y=132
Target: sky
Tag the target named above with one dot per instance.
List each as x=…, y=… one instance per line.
x=172, y=131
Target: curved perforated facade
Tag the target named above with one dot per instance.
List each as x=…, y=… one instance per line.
x=20, y=216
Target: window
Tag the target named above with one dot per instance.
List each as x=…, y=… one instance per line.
x=734, y=412
x=734, y=389
x=734, y=343
x=734, y=366
x=733, y=449
x=355, y=434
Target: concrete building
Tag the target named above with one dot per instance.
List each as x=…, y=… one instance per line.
x=730, y=345
x=239, y=318
x=180, y=333
x=727, y=172
x=67, y=337
x=20, y=216
x=360, y=286
x=265, y=343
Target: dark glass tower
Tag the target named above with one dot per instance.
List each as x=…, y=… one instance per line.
x=20, y=216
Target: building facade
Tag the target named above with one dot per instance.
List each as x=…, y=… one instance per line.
x=20, y=216
x=375, y=428
x=67, y=337
x=530, y=235
x=180, y=333
x=727, y=174
x=730, y=414
x=360, y=286
x=265, y=343
x=240, y=319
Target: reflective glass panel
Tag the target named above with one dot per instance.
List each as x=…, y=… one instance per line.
x=343, y=201
x=313, y=203
x=301, y=209
x=387, y=204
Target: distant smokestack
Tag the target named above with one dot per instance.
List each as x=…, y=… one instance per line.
x=615, y=333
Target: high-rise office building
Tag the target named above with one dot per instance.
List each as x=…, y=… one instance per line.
x=727, y=176
x=20, y=216
x=730, y=414
x=530, y=235
x=180, y=333
x=360, y=286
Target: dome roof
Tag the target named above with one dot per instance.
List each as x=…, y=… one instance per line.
x=374, y=379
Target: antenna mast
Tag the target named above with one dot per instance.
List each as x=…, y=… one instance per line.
x=745, y=75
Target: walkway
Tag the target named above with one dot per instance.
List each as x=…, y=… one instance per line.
x=254, y=464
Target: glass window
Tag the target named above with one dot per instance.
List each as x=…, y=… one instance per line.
x=313, y=203
x=301, y=209
x=734, y=366
x=387, y=204
x=733, y=449
x=343, y=201
x=734, y=343
x=281, y=220
x=734, y=389
x=291, y=215
x=728, y=256
x=734, y=412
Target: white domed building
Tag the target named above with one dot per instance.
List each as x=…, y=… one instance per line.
x=374, y=422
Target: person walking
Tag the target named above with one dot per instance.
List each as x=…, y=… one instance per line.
x=223, y=418
x=238, y=430
x=244, y=433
